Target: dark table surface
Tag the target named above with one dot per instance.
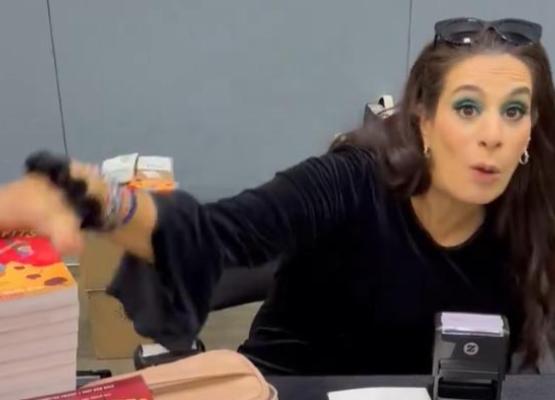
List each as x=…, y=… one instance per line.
x=516, y=387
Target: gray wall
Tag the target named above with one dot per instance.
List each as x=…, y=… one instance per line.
x=232, y=90
x=29, y=112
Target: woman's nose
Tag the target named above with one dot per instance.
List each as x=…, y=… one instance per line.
x=491, y=136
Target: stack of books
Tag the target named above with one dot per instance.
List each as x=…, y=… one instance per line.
x=39, y=318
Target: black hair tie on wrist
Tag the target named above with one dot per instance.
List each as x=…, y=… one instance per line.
x=56, y=168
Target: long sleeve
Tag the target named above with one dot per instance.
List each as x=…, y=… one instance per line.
x=192, y=242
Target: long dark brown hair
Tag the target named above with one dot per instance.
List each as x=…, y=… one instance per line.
x=525, y=212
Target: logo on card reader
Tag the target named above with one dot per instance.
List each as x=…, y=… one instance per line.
x=471, y=348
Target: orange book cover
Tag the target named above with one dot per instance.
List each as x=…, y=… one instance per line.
x=125, y=389
x=29, y=265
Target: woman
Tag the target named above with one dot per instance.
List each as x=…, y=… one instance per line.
x=447, y=205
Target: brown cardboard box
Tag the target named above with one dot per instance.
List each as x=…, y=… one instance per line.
x=99, y=262
x=112, y=333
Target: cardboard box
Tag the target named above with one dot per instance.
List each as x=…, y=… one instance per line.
x=154, y=173
x=112, y=333
x=99, y=262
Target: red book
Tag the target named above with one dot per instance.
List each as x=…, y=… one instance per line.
x=125, y=389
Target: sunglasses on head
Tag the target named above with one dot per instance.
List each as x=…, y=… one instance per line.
x=462, y=31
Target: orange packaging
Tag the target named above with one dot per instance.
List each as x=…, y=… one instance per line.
x=154, y=173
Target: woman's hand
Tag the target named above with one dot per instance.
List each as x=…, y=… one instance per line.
x=32, y=202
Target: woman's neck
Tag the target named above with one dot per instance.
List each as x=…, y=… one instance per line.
x=448, y=221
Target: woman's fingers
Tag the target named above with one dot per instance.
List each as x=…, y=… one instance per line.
x=55, y=218
x=46, y=206
x=63, y=229
x=34, y=203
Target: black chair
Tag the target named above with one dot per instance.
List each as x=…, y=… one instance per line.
x=237, y=286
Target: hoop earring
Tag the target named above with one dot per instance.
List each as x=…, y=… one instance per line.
x=524, y=158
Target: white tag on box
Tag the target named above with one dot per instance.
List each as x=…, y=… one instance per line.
x=151, y=174
x=120, y=168
x=155, y=163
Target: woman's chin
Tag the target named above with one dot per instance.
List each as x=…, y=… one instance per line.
x=479, y=196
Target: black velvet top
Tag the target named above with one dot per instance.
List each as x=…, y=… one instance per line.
x=359, y=284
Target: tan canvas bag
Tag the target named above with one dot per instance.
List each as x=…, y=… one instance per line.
x=218, y=374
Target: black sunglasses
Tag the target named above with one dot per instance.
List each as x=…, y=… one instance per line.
x=461, y=31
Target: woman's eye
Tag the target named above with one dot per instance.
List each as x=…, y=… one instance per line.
x=514, y=113
x=468, y=110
